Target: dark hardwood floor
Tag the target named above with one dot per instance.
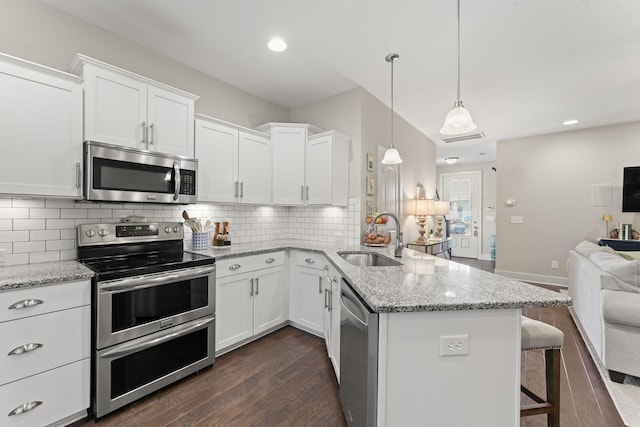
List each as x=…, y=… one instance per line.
x=286, y=379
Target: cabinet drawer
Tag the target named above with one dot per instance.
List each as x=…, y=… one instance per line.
x=311, y=259
x=63, y=392
x=243, y=264
x=44, y=299
x=64, y=337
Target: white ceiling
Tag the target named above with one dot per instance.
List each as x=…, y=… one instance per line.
x=526, y=65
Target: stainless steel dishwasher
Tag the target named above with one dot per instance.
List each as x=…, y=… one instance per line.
x=358, y=359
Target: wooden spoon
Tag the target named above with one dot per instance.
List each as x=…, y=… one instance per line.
x=185, y=215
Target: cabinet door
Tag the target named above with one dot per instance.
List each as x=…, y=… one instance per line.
x=288, y=167
x=234, y=309
x=310, y=299
x=335, y=327
x=217, y=153
x=319, y=171
x=170, y=118
x=268, y=303
x=254, y=168
x=115, y=109
x=41, y=132
x=326, y=316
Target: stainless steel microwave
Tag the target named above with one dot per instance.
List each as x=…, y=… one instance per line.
x=121, y=174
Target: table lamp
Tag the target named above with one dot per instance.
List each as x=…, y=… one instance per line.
x=423, y=208
x=606, y=218
x=441, y=209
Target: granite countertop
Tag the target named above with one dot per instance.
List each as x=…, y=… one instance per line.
x=422, y=283
x=16, y=277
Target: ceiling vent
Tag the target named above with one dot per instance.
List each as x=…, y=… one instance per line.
x=464, y=137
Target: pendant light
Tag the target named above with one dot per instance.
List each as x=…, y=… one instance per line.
x=391, y=156
x=458, y=121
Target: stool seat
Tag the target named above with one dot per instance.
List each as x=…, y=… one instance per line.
x=539, y=335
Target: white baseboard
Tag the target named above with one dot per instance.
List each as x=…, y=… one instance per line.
x=484, y=257
x=561, y=282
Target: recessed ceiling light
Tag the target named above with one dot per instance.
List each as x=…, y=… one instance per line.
x=450, y=160
x=277, y=45
x=570, y=122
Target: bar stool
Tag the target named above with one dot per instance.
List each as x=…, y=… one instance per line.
x=541, y=336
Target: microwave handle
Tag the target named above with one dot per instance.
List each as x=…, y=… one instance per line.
x=176, y=171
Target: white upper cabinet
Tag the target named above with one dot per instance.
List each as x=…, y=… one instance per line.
x=234, y=163
x=126, y=109
x=41, y=131
x=308, y=169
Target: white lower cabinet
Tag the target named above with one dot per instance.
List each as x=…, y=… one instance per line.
x=306, y=291
x=331, y=321
x=45, y=349
x=250, y=297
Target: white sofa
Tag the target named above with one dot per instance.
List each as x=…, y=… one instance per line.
x=604, y=286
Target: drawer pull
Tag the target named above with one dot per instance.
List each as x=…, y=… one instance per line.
x=269, y=260
x=25, y=407
x=310, y=261
x=234, y=267
x=25, y=348
x=25, y=304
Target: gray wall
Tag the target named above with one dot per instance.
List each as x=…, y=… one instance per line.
x=38, y=33
x=489, y=180
x=551, y=178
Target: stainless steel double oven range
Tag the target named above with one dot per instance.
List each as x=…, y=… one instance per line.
x=153, y=316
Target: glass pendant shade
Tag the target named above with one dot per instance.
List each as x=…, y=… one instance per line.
x=458, y=121
x=391, y=157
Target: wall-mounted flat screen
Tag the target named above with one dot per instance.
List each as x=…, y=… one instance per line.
x=631, y=189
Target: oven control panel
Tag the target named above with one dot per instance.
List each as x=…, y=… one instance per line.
x=98, y=234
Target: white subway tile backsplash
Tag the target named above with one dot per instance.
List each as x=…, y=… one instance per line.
x=7, y=247
x=35, y=257
x=57, y=245
x=60, y=224
x=28, y=224
x=14, y=236
x=22, y=247
x=15, y=259
x=60, y=203
x=100, y=213
x=6, y=224
x=28, y=203
x=12, y=213
x=44, y=213
x=5, y=203
x=68, y=233
x=35, y=235
x=68, y=255
x=73, y=213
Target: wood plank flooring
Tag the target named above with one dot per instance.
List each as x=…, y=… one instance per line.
x=286, y=379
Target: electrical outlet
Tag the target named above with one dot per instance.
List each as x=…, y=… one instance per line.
x=554, y=265
x=454, y=345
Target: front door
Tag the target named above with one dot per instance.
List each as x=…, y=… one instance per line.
x=463, y=191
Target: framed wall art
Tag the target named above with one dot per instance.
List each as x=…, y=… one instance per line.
x=370, y=186
x=370, y=162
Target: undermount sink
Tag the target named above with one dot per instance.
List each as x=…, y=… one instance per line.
x=368, y=259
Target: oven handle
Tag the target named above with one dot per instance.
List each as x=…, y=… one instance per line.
x=176, y=170
x=141, y=282
x=158, y=338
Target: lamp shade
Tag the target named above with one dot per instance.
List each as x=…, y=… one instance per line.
x=424, y=207
x=442, y=207
x=606, y=217
x=391, y=157
x=458, y=121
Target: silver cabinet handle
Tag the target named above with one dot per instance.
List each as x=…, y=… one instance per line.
x=241, y=190
x=144, y=132
x=319, y=284
x=326, y=274
x=141, y=282
x=270, y=260
x=152, y=128
x=257, y=286
x=25, y=303
x=25, y=348
x=236, y=189
x=234, y=267
x=326, y=304
x=330, y=300
x=25, y=407
x=307, y=193
x=310, y=261
x=251, y=291
x=302, y=193
x=78, y=175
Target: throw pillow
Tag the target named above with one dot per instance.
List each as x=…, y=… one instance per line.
x=626, y=271
x=587, y=248
x=629, y=254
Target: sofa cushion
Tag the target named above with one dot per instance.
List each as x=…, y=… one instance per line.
x=587, y=248
x=629, y=254
x=621, y=307
x=625, y=271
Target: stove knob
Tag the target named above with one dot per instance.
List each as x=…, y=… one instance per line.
x=167, y=229
x=90, y=233
x=103, y=232
x=175, y=229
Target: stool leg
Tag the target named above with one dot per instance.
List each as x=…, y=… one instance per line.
x=552, y=361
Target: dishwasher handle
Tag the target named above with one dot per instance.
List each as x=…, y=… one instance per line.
x=353, y=306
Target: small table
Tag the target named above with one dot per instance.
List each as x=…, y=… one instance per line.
x=433, y=247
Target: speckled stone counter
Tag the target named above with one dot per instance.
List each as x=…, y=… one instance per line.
x=46, y=273
x=422, y=283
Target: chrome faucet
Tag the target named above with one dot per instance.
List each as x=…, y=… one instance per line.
x=399, y=245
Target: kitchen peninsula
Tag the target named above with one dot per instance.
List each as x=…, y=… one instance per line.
x=419, y=302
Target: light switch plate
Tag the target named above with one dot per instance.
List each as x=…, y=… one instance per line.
x=517, y=220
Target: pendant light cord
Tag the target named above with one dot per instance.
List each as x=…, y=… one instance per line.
x=458, y=52
x=390, y=58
